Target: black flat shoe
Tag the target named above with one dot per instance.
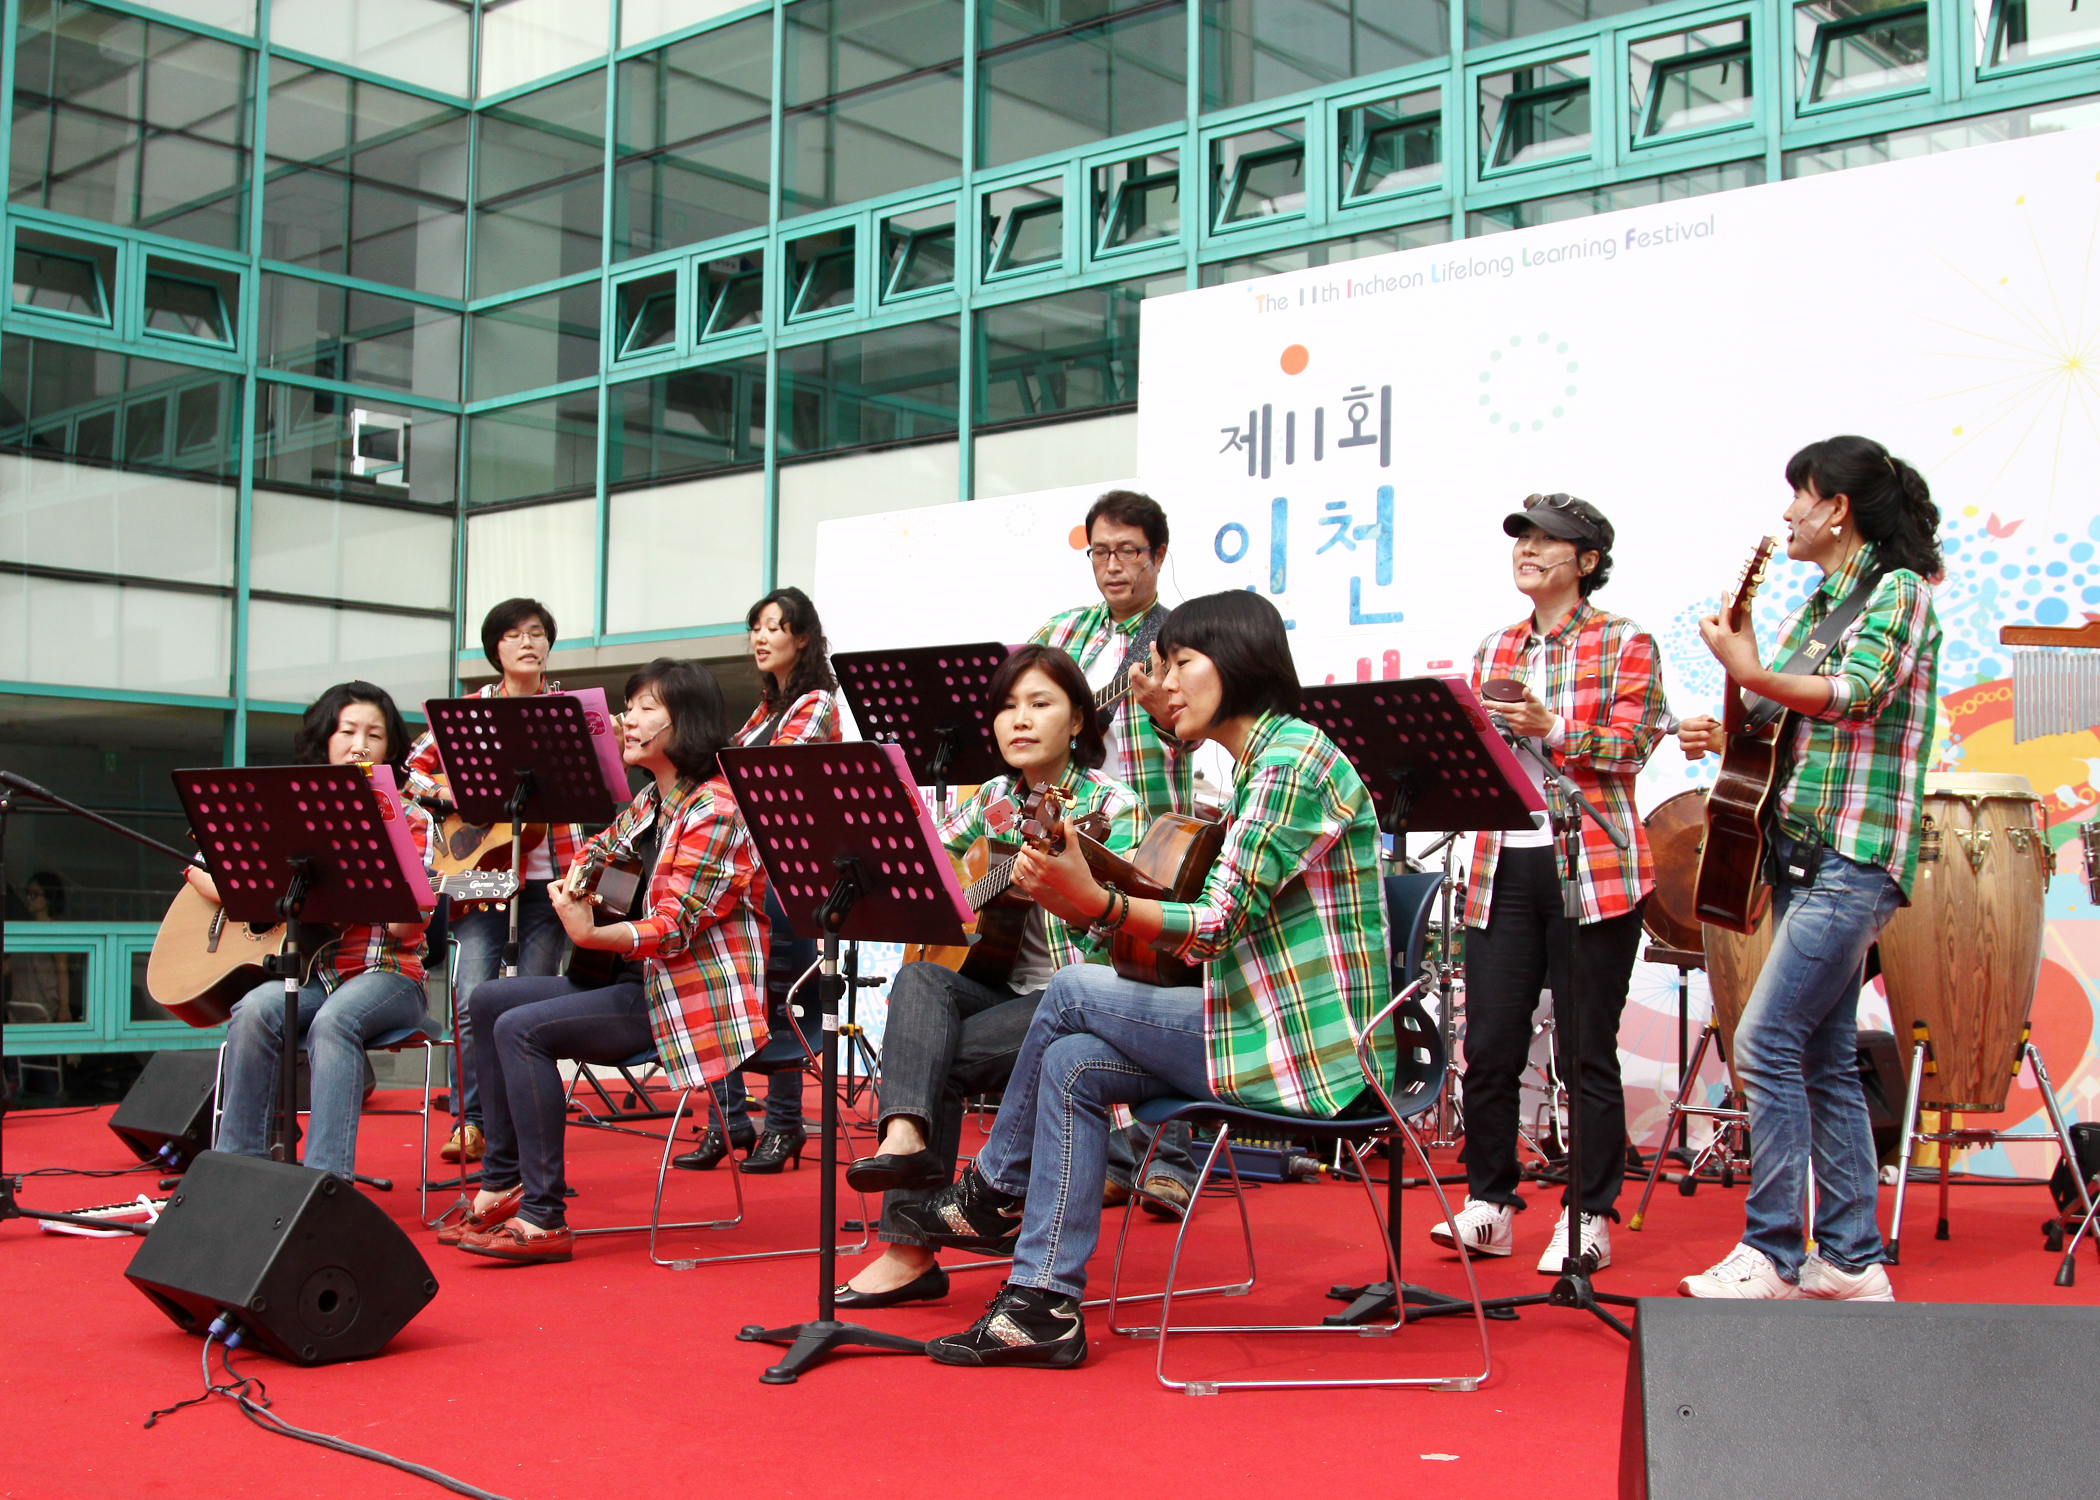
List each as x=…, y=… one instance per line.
x=775, y=1149
x=891, y=1171
x=713, y=1147
x=929, y=1287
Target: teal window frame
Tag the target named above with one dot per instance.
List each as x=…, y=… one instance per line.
x=1830, y=33
x=1223, y=190
x=622, y=348
x=710, y=305
x=1105, y=217
x=1356, y=160
x=998, y=240
x=229, y=316
x=1983, y=37
x=1491, y=166
x=804, y=279
x=892, y=276
x=110, y=288
x=1753, y=51
x=107, y=1026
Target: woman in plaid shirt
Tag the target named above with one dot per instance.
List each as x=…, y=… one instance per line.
x=1290, y=931
x=1846, y=847
x=1593, y=700
x=693, y=986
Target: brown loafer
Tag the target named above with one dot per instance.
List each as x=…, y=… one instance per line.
x=466, y=1144
x=1165, y=1198
x=503, y=1208
x=508, y=1242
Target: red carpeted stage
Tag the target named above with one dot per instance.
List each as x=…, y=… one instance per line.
x=610, y=1373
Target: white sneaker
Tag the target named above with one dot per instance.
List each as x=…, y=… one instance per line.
x=1487, y=1228
x=1819, y=1278
x=1596, y=1244
x=1743, y=1273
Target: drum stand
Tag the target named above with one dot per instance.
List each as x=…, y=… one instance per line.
x=1724, y=1153
x=2060, y=1134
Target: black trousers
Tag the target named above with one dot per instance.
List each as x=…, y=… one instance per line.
x=1521, y=951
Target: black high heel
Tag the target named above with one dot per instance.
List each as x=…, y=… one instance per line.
x=774, y=1149
x=714, y=1146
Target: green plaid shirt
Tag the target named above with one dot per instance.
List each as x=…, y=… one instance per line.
x=1142, y=755
x=1291, y=927
x=1858, y=772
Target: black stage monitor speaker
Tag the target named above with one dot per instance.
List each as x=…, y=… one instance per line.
x=314, y=1271
x=170, y=1105
x=1865, y=1400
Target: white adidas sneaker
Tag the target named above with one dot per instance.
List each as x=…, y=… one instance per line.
x=1486, y=1228
x=1596, y=1244
x=1745, y=1274
x=1819, y=1278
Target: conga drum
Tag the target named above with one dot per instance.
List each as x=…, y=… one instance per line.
x=1733, y=962
x=1965, y=955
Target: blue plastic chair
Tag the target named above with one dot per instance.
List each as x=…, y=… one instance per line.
x=1407, y=1094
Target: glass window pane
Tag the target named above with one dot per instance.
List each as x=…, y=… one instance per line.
x=541, y=341
x=330, y=443
x=296, y=652
x=91, y=519
x=1258, y=175
x=1490, y=21
x=133, y=637
x=874, y=99
x=526, y=39
x=1024, y=226
x=544, y=552
x=114, y=758
x=425, y=42
x=694, y=145
x=1065, y=353
x=309, y=546
x=191, y=301
x=1847, y=49
x=339, y=333
x=115, y=408
x=56, y=274
x=732, y=293
x=42, y=986
x=1326, y=253
x=539, y=450
x=2030, y=31
x=1259, y=49
x=918, y=250
x=685, y=553
x=1392, y=145
x=1690, y=80
x=885, y=387
x=713, y=417
x=1649, y=190
x=1050, y=455
x=1061, y=73
x=129, y=122
x=820, y=272
x=365, y=181
x=643, y=20
x=1951, y=135
x=857, y=484
x=539, y=186
x=646, y=310
x=1138, y=201
x=1536, y=113
x=227, y=15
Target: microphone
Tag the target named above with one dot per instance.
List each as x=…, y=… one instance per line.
x=648, y=739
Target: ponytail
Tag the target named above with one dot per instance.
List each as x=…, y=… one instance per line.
x=1891, y=502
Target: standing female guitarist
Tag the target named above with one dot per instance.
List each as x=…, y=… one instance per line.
x=1290, y=931
x=949, y=1035
x=796, y=706
x=368, y=979
x=693, y=984
x=1844, y=850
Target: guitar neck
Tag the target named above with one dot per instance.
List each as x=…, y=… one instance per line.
x=994, y=883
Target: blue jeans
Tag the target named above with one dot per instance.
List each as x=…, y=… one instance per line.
x=1097, y=1039
x=1795, y=1054
x=335, y=1026
x=481, y=936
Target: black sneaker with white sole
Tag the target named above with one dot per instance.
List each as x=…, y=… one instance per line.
x=1023, y=1325
x=968, y=1214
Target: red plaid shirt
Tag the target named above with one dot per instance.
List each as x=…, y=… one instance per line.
x=1603, y=677
x=425, y=765
x=812, y=719
x=702, y=941
x=368, y=945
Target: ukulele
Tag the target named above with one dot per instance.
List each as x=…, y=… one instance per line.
x=615, y=888
x=1731, y=892
x=201, y=963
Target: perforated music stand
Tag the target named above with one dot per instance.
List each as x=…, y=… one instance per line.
x=842, y=832
x=304, y=843
x=1427, y=753
x=930, y=701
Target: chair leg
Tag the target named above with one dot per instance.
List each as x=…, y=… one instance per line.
x=1115, y=1297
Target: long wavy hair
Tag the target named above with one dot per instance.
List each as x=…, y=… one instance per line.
x=812, y=667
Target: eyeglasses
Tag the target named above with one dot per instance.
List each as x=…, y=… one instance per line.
x=519, y=637
x=1128, y=552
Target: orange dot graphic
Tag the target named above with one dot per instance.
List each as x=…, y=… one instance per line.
x=1295, y=359
x=1078, y=539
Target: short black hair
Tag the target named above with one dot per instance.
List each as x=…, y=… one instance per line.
x=508, y=616
x=693, y=699
x=317, y=727
x=1129, y=508
x=1090, y=745
x=1244, y=637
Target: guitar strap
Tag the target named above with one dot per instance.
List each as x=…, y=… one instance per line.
x=1804, y=662
x=1140, y=648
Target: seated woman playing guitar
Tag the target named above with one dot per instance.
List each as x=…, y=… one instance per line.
x=1290, y=930
x=949, y=1034
x=365, y=979
x=692, y=984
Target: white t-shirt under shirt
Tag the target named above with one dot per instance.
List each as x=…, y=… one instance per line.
x=1032, y=965
x=1540, y=835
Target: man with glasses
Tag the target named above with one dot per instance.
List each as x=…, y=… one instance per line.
x=1126, y=536
x=517, y=636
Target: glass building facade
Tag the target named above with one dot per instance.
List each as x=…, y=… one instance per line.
x=334, y=321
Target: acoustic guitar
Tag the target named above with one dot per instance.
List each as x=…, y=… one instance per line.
x=615, y=888
x=201, y=963
x=1171, y=863
x=1731, y=892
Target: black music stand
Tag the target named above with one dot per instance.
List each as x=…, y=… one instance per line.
x=544, y=759
x=930, y=701
x=303, y=843
x=841, y=830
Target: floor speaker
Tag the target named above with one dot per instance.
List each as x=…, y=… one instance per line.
x=314, y=1271
x=1868, y=1400
x=169, y=1107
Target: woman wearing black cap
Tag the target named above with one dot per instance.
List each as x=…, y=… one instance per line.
x=1593, y=698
